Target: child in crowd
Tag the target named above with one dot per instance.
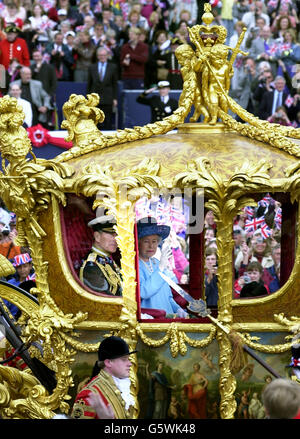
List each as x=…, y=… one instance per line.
x=251, y=284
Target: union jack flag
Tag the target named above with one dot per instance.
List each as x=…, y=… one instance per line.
x=98, y=8
x=46, y=4
x=47, y=24
x=285, y=46
x=273, y=49
x=142, y=208
x=265, y=230
x=249, y=211
x=177, y=218
x=289, y=101
x=21, y=259
x=278, y=218
x=125, y=9
x=254, y=224
x=31, y=277
x=163, y=213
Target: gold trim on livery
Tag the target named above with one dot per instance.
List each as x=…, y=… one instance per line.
x=113, y=395
x=104, y=383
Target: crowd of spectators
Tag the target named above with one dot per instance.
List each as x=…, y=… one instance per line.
x=59, y=40
x=257, y=251
x=24, y=276
x=265, y=82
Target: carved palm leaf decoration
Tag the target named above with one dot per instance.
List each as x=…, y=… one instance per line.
x=225, y=197
x=293, y=183
x=20, y=394
x=109, y=189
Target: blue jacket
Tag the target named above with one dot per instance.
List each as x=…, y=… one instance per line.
x=211, y=291
x=274, y=285
x=154, y=290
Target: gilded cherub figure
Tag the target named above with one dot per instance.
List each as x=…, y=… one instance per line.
x=216, y=81
x=191, y=67
x=14, y=142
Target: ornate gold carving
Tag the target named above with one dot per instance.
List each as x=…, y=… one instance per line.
x=293, y=183
x=82, y=116
x=27, y=186
x=20, y=300
x=177, y=338
x=12, y=132
x=26, y=189
x=270, y=349
x=21, y=395
x=292, y=324
x=93, y=141
x=6, y=267
x=227, y=383
x=259, y=130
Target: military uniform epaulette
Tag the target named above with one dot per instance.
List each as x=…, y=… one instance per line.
x=92, y=257
x=110, y=275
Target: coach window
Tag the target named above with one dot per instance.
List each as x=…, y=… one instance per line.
x=166, y=242
x=78, y=221
x=265, y=244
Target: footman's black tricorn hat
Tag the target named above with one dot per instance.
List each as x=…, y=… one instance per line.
x=113, y=347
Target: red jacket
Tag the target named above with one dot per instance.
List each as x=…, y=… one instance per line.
x=138, y=59
x=17, y=49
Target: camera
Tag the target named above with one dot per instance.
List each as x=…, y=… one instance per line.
x=6, y=230
x=254, y=30
x=246, y=278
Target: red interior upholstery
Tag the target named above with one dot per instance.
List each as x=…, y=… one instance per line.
x=78, y=236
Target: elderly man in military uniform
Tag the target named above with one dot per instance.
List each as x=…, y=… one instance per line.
x=99, y=271
x=161, y=105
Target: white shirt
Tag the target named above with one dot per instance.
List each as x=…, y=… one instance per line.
x=26, y=105
x=123, y=385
